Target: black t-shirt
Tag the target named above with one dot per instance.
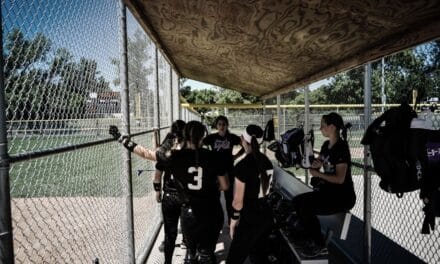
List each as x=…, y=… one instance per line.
x=168, y=179
x=223, y=146
x=247, y=171
x=330, y=157
x=198, y=181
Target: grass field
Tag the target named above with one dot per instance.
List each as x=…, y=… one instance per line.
x=92, y=171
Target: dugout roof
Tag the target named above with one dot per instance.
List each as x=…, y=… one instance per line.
x=265, y=47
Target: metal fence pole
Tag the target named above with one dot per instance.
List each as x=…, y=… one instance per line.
x=367, y=174
x=284, y=120
x=6, y=241
x=179, y=107
x=126, y=155
x=306, y=123
x=171, y=96
x=157, y=102
x=263, y=123
x=279, y=116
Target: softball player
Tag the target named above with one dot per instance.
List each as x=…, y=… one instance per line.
x=223, y=143
x=171, y=202
x=251, y=218
x=199, y=179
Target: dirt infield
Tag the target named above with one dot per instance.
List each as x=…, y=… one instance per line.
x=77, y=229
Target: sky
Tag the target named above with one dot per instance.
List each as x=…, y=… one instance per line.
x=201, y=85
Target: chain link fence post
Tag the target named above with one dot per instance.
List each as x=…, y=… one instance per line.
x=367, y=174
x=278, y=116
x=126, y=176
x=156, y=98
x=6, y=246
x=306, y=123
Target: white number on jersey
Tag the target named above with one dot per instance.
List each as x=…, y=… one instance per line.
x=197, y=172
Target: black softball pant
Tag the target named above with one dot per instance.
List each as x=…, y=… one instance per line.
x=201, y=225
x=254, y=225
x=171, y=206
x=309, y=205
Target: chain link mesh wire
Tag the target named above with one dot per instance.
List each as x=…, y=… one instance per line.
x=142, y=68
x=63, y=89
x=68, y=207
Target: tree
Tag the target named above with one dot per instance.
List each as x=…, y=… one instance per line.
x=140, y=66
x=42, y=83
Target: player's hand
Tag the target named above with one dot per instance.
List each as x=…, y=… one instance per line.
x=232, y=226
x=316, y=164
x=114, y=132
x=159, y=196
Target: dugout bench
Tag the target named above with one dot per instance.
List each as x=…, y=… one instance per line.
x=334, y=227
x=344, y=232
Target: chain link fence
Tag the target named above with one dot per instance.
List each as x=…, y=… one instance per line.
x=62, y=86
x=61, y=71
x=400, y=219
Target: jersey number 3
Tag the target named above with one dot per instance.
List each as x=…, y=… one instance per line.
x=197, y=172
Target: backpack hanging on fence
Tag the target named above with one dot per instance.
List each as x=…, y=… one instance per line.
x=394, y=162
x=429, y=142
x=269, y=131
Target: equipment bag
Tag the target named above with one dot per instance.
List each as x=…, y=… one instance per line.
x=393, y=155
x=290, y=149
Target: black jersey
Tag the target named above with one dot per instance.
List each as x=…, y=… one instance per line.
x=223, y=146
x=330, y=157
x=199, y=181
x=247, y=171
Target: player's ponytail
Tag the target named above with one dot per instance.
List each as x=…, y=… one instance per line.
x=194, y=133
x=253, y=135
x=336, y=120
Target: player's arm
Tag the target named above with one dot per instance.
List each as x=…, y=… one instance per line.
x=338, y=177
x=132, y=146
x=237, y=141
x=223, y=183
x=238, y=154
x=239, y=187
x=145, y=152
x=237, y=205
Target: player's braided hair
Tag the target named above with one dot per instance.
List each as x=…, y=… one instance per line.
x=257, y=132
x=194, y=133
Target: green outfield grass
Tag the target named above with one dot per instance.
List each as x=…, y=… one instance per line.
x=92, y=171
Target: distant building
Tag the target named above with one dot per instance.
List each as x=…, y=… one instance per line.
x=103, y=104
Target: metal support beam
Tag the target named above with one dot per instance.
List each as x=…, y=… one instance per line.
x=157, y=97
x=279, y=116
x=6, y=241
x=126, y=155
x=306, y=122
x=367, y=174
x=171, y=96
x=264, y=123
